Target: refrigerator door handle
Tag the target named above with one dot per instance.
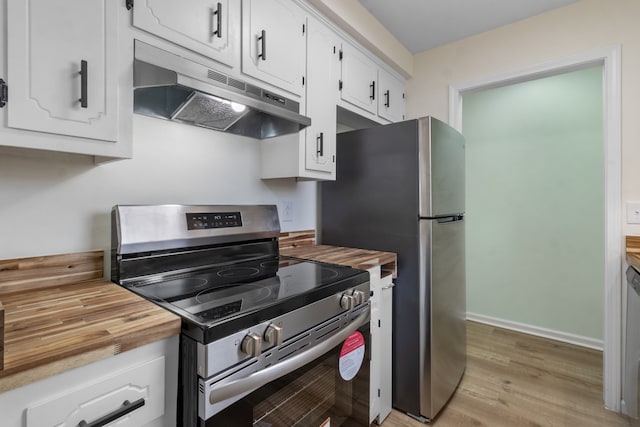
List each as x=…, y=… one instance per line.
x=445, y=218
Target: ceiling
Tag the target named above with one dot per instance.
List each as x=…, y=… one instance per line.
x=424, y=24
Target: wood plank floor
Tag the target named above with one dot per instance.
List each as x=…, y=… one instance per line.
x=519, y=380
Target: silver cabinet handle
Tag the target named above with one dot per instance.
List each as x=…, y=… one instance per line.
x=393, y=285
x=265, y=376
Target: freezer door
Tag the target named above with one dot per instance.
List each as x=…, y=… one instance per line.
x=441, y=157
x=444, y=340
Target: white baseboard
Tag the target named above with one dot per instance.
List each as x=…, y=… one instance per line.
x=538, y=331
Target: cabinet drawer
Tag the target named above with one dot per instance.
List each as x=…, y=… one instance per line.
x=92, y=401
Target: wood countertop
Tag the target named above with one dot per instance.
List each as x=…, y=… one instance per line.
x=52, y=325
x=633, y=251
x=301, y=244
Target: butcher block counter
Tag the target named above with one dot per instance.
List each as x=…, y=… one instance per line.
x=60, y=314
x=633, y=251
x=301, y=244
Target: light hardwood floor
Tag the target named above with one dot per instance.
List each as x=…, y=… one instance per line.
x=519, y=380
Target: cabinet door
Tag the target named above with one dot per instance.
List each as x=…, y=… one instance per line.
x=209, y=27
x=50, y=42
x=132, y=398
x=390, y=96
x=359, y=79
x=322, y=83
x=386, y=326
x=273, y=43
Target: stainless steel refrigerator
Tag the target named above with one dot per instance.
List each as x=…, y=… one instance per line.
x=400, y=188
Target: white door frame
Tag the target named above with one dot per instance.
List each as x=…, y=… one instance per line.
x=609, y=58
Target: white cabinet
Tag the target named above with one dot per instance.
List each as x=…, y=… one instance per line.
x=321, y=99
x=138, y=388
x=381, y=323
x=311, y=155
x=390, y=96
x=359, y=76
x=385, y=331
x=273, y=43
x=368, y=89
x=65, y=76
x=209, y=27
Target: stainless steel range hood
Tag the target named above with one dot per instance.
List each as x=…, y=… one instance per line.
x=171, y=87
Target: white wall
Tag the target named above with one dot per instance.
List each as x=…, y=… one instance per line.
x=54, y=203
x=572, y=30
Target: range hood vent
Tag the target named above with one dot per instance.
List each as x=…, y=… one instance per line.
x=171, y=87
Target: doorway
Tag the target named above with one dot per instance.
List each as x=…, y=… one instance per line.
x=611, y=260
x=534, y=205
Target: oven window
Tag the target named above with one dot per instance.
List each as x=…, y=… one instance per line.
x=315, y=395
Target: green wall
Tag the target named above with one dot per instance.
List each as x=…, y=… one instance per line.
x=535, y=210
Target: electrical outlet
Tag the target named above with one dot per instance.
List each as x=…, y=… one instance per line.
x=633, y=212
x=287, y=211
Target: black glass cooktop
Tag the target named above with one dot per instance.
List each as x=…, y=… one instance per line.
x=225, y=299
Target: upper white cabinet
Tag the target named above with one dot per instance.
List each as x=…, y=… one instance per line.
x=359, y=76
x=368, y=89
x=322, y=75
x=62, y=67
x=65, y=76
x=390, y=96
x=209, y=27
x=273, y=43
x=311, y=155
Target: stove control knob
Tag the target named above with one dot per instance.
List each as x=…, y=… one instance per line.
x=273, y=334
x=347, y=302
x=251, y=345
x=358, y=296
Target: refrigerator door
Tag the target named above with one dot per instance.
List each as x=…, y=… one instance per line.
x=443, y=293
x=441, y=168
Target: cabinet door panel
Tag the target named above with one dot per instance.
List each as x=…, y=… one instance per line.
x=359, y=77
x=194, y=24
x=47, y=41
x=390, y=97
x=279, y=57
x=322, y=80
x=106, y=397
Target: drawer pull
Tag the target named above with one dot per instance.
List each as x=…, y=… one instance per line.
x=126, y=408
x=393, y=285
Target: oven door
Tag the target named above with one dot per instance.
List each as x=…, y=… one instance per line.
x=326, y=385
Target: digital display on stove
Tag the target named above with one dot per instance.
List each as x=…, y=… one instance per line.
x=203, y=221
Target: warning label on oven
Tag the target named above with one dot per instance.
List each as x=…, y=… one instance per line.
x=351, y=356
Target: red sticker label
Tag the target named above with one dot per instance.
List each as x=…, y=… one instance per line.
x=351, y=356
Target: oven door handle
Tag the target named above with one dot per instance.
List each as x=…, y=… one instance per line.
x=249, y=383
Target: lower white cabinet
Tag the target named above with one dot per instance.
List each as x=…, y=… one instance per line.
x=386, y=312
x=381, y=323
x=133, y=389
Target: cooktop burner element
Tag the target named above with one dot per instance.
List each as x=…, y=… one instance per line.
x=238, y=272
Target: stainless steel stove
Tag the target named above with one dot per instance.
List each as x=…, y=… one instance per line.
x=253, y=322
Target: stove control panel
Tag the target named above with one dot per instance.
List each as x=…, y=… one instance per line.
x=203, y=221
